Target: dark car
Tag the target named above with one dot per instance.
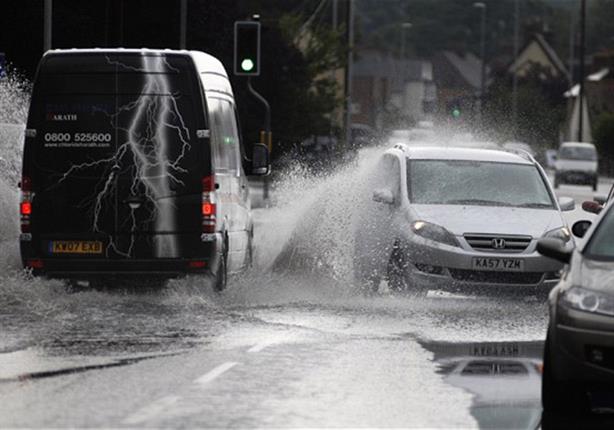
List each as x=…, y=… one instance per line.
x=133, y=167
x=579, y=349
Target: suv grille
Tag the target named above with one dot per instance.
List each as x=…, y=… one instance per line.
x=497, y=243
x=527, y=278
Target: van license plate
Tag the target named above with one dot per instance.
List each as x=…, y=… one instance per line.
x=76, y=247
x=494, y=264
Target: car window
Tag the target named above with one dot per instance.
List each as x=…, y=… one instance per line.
x=477, y=183
x=601, y=245
x=224, y=135
x=578, y=153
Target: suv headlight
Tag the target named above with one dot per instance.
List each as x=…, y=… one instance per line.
x=434, y=232
x=588, y=301
x=561, y=233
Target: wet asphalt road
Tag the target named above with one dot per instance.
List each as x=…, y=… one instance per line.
x=274, y=350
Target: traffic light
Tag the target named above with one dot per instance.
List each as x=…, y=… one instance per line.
x=247, y=48
x=454, y=108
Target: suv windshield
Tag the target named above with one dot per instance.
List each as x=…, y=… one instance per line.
x=601, y=245
x=455, y=182
x=578, y=153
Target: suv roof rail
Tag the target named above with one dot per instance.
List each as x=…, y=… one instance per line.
x=520, y=152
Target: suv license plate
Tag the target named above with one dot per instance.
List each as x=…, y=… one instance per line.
x=75, y=247
x=495, y=264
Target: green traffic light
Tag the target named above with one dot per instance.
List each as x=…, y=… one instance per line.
x=247, y=65
x=456, y=113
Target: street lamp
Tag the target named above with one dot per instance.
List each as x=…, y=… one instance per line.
x=581, y=95
x=404, y=26
x=482, y=5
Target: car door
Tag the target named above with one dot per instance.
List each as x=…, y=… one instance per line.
x=376, y=233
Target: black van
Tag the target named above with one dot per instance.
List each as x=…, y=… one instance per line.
x=133, y=166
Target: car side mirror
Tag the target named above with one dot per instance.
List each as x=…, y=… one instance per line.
x=580, y=228
x=383, y=196
x=567, y=204
x=592, y=207
x=601, y=199
x=261, y=165
x=555, y=249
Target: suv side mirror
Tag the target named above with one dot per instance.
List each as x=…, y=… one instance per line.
x=555, y=249
x=261, y=165
x=580, y=228
x=567, y=204
x=383, y=196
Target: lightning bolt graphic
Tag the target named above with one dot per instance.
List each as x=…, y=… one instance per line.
x=145, y=157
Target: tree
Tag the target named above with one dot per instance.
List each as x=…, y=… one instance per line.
x=541, y=108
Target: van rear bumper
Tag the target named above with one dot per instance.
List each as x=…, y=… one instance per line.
x=92, y=268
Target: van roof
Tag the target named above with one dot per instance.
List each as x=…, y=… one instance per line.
x=205, y=63
x=578, y=144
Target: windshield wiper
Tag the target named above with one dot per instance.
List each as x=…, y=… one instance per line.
x=535, y=205
x=477, y=202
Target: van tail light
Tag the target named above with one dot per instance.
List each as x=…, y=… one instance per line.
x=209, y=207
x=25, y=206
x=197, y=264
x=35, y=263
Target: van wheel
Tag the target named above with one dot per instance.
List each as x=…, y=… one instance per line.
x=595, y=185
x=221, y=276
x=250, y=251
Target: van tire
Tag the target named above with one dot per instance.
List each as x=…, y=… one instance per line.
x=221, y=275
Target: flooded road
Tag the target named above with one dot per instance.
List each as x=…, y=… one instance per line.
x=292, y=343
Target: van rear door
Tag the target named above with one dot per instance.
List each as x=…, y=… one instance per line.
x=116, y=165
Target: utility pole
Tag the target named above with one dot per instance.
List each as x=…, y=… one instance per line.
x=335, y=14
x=404, y=26
x=572, y=46
x=348, y=73
x=482, y=6
x=183, y=19
x=47, y=32
x=515, y=75
x=582, y=55
x=115, y=25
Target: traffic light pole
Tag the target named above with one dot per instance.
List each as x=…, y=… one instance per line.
x=266, y=136
x=47, y=31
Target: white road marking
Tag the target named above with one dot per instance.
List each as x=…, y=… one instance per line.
x=260, y=346
x=216, y=372
x=162, y=405
x=152, y=410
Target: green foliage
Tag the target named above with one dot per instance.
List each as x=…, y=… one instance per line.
x=541, y=109
x=450, y=24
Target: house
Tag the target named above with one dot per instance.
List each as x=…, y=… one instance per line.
x=372, y=80
x=458, y=80
x=385, y=88
x=538, y=52
x=414, y=92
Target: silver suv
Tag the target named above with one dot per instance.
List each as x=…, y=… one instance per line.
x=458, y=218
